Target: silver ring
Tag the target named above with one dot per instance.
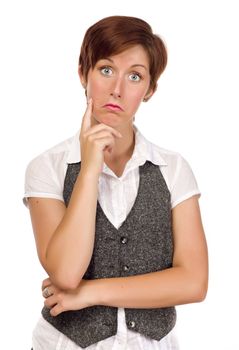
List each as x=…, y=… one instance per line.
x=46, y=292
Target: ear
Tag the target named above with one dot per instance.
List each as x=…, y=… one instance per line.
x=149, y=94
x=82, y=79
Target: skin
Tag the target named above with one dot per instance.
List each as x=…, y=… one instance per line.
x=123, y=79
x=107, y=136
x=186, y=282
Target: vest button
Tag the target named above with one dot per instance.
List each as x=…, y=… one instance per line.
x=123, y=240
x=132, y=324
x=125, y=268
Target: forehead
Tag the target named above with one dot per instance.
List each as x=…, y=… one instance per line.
x=131, y=56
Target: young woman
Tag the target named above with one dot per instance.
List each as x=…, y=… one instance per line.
x=116, y=218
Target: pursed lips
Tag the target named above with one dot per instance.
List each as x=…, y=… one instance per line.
x=113, y=107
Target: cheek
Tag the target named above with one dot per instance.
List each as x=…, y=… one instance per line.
x=96, y=91
x=95, y=88
x=135, y=98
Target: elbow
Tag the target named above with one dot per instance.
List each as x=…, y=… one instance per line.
x=199, y=291
x=63, y=278
x=199, y=295
x=64, y=282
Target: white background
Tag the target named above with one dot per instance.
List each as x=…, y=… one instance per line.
x=193, y=112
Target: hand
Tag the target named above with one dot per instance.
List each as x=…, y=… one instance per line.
x=65, y=300
x=94, y=141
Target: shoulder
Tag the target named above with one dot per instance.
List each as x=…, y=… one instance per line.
x=45, y=173
x=52, y=157
x=170, y=160
x=177, y=173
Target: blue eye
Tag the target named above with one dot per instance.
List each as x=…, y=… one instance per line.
x=106, y=70
x=135, y=77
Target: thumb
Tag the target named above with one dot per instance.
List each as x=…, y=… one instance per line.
x=86, y=120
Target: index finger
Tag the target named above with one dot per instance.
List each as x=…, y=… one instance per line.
x=86, y=120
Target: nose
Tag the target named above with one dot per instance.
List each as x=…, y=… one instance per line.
x=117, y=88
x=115, y=95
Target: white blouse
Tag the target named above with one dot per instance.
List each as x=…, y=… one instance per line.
x=45, y=176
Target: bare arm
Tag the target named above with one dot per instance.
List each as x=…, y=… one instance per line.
x=186, y=282
x=65, y=236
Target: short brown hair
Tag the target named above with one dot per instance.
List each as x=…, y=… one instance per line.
x=113, y=35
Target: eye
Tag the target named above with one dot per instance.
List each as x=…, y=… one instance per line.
x=106, y=70
x=135, y=76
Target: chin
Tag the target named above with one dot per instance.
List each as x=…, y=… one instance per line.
x=108, y=119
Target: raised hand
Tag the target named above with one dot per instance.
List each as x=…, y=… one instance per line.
x=94, y=141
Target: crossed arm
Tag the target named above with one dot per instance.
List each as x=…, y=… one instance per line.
x=185, y=282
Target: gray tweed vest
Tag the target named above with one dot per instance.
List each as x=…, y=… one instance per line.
x=142, y=244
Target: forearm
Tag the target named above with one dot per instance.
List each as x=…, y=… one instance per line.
x=165, y=288
x=70, y=248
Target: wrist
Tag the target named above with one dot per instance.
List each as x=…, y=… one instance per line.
x=96, y=292
x=89, y=174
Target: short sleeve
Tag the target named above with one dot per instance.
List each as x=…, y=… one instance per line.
x=184, y=184
x=42, y=179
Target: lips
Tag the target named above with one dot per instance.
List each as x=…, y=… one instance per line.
x=113, y=107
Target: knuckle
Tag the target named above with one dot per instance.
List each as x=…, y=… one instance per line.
x=53, y=312
x=83, y=135
x=96, y=142
x=60, y=296
x=112, y=129
x=90, y=138
x=46, y=303
x=61, y=304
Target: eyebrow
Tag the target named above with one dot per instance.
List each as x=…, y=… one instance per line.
x=134, y=65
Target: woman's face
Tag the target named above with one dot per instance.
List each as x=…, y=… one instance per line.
x=117, y=85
